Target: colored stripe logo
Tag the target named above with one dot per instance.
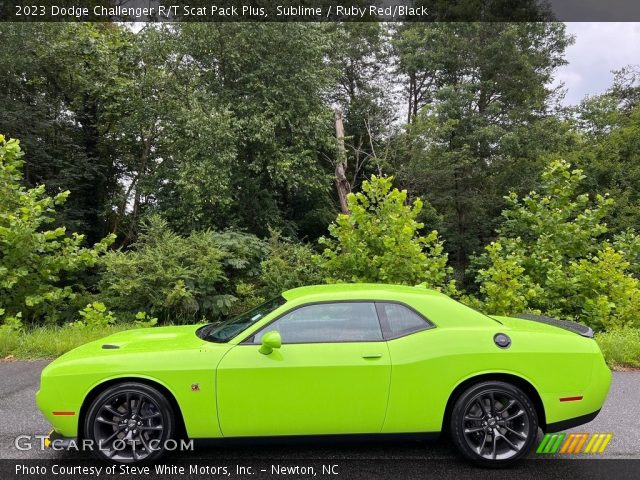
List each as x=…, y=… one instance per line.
x=574, y=443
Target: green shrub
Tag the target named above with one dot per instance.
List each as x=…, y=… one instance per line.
x=179, y=279
x=11, y=323
x=550, y=256
x=144, y=320
x=381, y=241
x=95, y=315
x=37, y=263
x=249, y=295
x=288, y=265
x=628, y=244
x=621, y=347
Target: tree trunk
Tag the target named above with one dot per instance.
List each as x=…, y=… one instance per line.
x=412, y=86
x=342, y=184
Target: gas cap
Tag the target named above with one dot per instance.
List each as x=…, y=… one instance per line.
x=502, y=340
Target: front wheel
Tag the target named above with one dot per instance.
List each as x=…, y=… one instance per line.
x=129, y=422
x=494, y=424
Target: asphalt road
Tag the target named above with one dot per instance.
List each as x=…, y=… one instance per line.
x=19, y=415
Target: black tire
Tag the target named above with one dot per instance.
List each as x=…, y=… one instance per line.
x=494, y=424
x=129, y=423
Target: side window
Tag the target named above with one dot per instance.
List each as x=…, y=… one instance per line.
x=328, y=322
x=398, y=320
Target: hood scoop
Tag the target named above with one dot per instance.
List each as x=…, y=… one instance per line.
x=565, y=324
x=110, y=346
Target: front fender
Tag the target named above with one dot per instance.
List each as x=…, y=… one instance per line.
x=188, y=375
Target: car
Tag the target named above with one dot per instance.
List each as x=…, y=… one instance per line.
x=331, y=360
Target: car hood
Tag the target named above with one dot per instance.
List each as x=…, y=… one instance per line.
x=155, y=339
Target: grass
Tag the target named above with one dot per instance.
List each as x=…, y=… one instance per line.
x=621, y=348
x=50, y=342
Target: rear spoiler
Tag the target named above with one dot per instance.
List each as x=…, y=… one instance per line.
x=571, y=326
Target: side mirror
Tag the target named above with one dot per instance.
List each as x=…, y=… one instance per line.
x=270, y=340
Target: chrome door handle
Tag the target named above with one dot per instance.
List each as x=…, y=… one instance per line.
x=372, y=355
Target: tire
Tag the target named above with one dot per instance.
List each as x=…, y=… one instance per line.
x=129, y=423
x=494, y=424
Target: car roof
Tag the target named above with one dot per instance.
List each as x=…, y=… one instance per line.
x=439, y=308
x=357, y=291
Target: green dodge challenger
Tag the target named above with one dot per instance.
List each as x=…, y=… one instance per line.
x=331, y=360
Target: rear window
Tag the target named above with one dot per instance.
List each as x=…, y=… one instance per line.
x=398, y=320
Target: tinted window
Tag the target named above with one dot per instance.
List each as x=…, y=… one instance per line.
x=328, y=322
x=399, y=320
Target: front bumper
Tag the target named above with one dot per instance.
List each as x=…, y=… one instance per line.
x=58, y=410
x=57, y=441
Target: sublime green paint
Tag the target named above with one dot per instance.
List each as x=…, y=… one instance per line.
x=394, y=386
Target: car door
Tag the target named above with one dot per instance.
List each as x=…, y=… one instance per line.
x=330, y=376
x=415, y=347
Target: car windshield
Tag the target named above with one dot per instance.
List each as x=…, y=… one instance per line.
x=225, y=331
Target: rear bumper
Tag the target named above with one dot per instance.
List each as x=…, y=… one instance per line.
x=571, y=422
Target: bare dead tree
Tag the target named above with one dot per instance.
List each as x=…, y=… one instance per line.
x=343, y=186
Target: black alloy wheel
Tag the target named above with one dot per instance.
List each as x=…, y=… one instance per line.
x=494, y=424
x=129, y=423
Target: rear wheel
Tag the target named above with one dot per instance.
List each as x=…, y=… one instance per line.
x=494, y=424
x=129, y=422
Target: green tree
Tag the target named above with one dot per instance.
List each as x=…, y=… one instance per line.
x=38, y=265
x=479, y=122
x=200, y=123
x=271, y=152
x=551, y=256
x=609, y=153
x=58, y=84
x=176, y=142
x=380, y=241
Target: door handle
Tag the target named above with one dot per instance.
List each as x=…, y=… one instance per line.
x=372, y=355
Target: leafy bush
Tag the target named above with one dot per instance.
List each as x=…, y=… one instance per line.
x=288, y=265
x=628, y=244
x=380, y=241
x=36, y=264
x=179, y=279
x=602, y=292
x=242, y=255
x=550, y=256
x=248, y=296
x=94, y=315
x=11, y=323
x=506, y=287
x=620, y=347
x=144, y=320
